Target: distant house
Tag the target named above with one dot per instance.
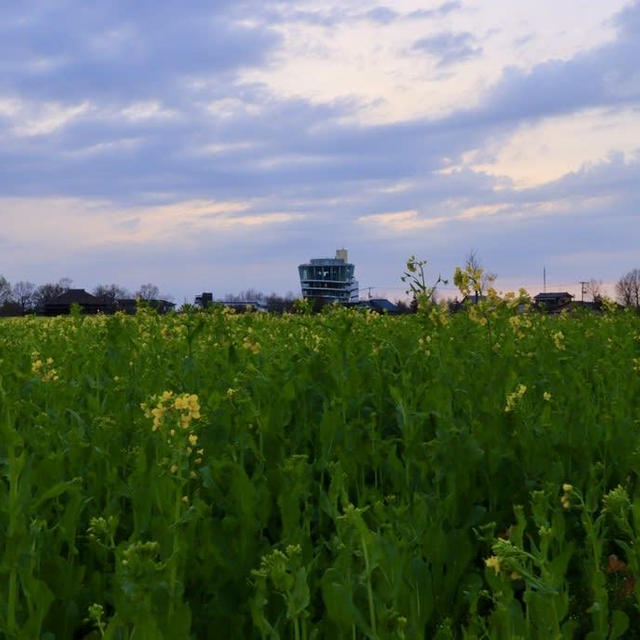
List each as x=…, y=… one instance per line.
x=90, y=304
x=204, y=299
x=130, y=305
x=553, y=302
x=379, y=305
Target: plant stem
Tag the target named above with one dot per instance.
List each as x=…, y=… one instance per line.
x=13, y=500
x=372, y=613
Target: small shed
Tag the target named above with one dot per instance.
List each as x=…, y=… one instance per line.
x=554, y=301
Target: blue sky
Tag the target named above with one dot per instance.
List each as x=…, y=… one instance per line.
x=215, y=146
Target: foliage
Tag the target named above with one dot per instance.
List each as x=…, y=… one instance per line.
x=422, y=293
x=345, y=475
x=473, y=278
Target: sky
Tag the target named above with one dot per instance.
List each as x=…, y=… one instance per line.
x=209, y=146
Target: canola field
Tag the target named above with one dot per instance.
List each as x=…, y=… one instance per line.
x=340, y=476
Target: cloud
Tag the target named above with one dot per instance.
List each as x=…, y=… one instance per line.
x=383, y=15
x=449, y=48
x=118, y=157
x=604, y=76
x=117, y=49
x=545, y=150
x=439, y=12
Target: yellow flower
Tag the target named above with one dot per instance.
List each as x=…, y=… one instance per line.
x=180, y=403
x=546, y=396
x=193, y=439
x=567, y=487
x=513, y=398
x=174, y=468
x=493, y=563
x=158, y=415
x=558, y=339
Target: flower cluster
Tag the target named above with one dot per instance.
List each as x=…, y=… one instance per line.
x=565, y=500
x=514, y=397
x=251, y=345
x=172, y=415
x=103, y=530
x=43, y=369
x=185, y=407
x=279, y=567
x=424, y=344
x=558, y=340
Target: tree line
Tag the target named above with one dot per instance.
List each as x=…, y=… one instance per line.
x=25, y=297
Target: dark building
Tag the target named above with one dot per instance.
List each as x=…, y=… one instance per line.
x=90, y=304
x=204, y=299
x=553, y=302
x=380, y=305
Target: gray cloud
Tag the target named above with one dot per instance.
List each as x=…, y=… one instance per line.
x=439, y=12
x=112, y=51
x=605, y=76
x=383, y=15
x=449, y=48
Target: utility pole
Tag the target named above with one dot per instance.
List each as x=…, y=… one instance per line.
x=544, y=279
x=583, y=286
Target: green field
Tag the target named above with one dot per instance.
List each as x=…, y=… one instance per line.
x=346, y=475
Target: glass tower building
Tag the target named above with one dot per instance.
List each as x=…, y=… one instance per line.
x=329, y=278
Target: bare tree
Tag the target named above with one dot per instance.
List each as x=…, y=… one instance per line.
x=5, y=291
x=111, y=292
x=280, y=304
x=22, y=293
x=47, y=292
x=148, y=292
x=250, y=295
x=628, y=289
x=594, y=289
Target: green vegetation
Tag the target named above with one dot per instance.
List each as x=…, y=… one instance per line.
x=346, y=475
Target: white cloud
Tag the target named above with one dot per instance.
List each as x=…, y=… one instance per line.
x=375, y=64
x=59, y=225
x=227, y=108
x=33, y=119
x=547, y=150
x=147, y=110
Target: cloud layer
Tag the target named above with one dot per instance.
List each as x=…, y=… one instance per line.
x=219, y=147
